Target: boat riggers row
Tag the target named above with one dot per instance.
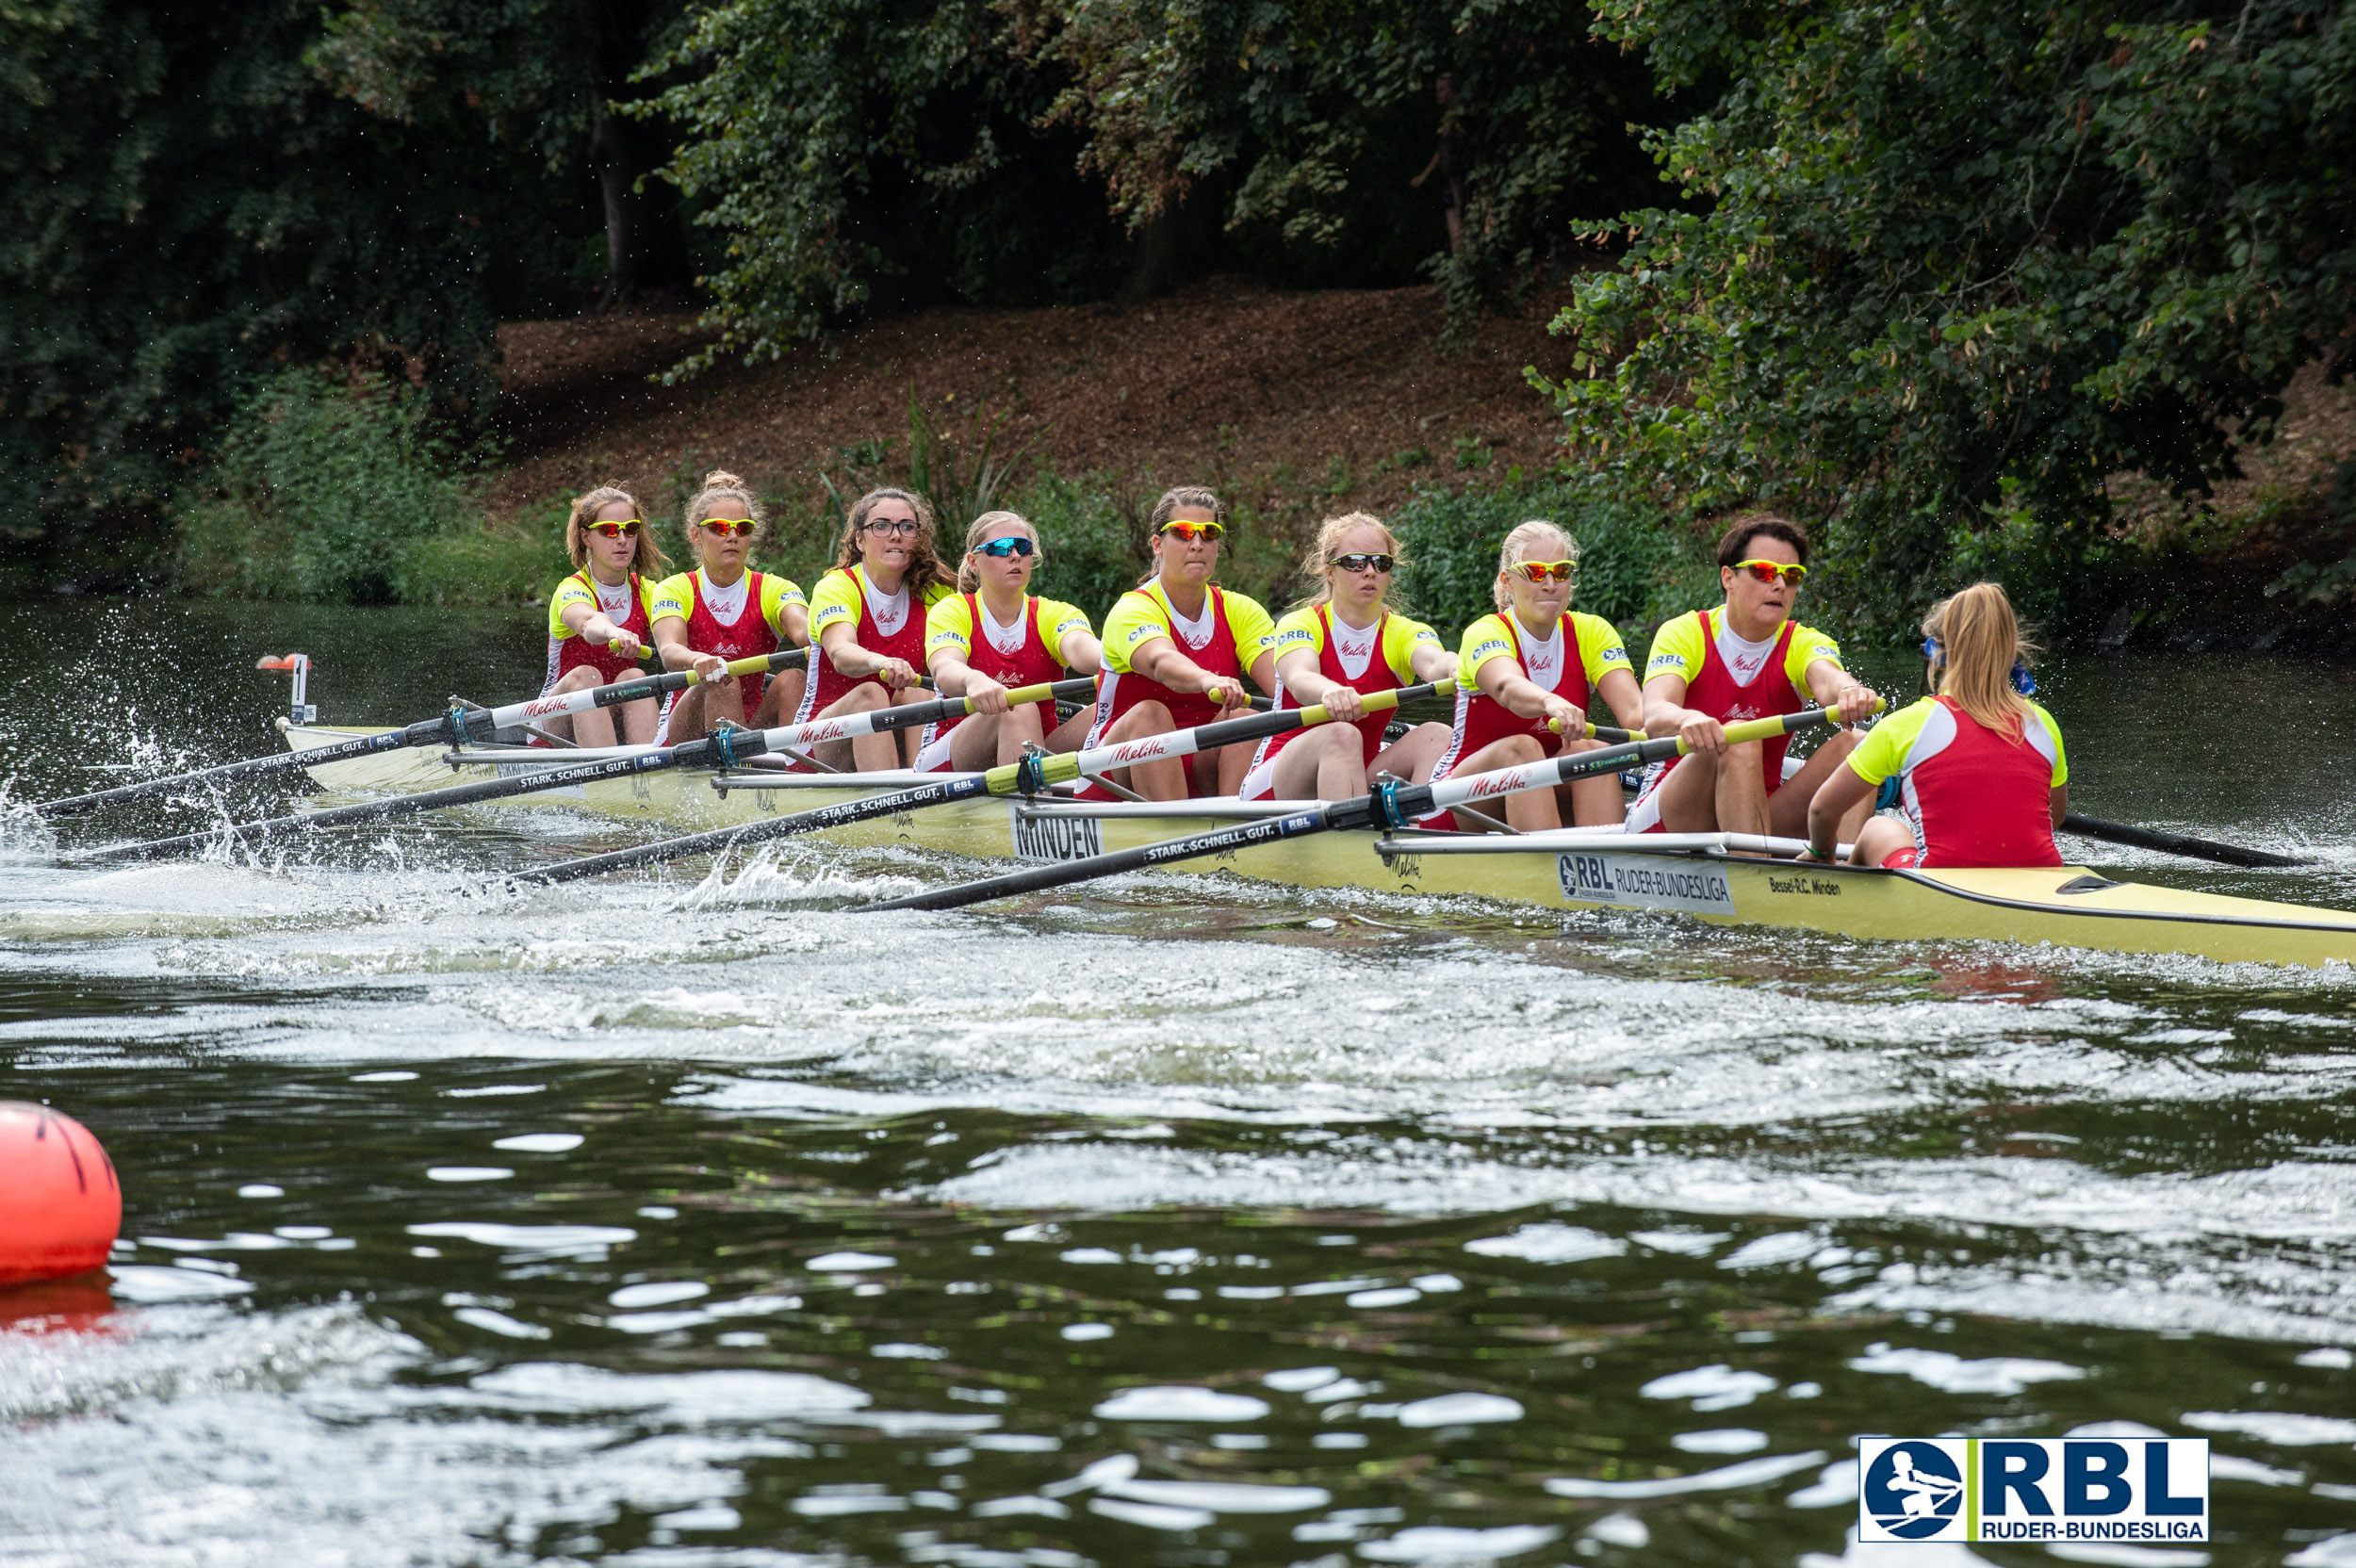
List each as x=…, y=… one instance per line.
x=722, y=748
x=455, y=727
x=1033, y=775
x=1393, y=806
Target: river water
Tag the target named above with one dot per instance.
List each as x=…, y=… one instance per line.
x=1190, y=1221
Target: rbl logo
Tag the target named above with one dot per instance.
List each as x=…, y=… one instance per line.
x=2084, y=1489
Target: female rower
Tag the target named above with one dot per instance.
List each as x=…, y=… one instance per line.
x=1526, y=676
x=1982, y=775
x=991, y=634
x=1747, y=658
x=721, y=611
x=868, y=614
x=1176, y=650
x=1345, y=639
x=601, y=618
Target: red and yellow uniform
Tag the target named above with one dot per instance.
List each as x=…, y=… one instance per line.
x=747, y=617
x=1379, y=658
x=1035, y=649
x=629, y=607
x=1481, y=720
x=1974, y=796
x=891, y=625
x=1732, y=678
x=1225, y=640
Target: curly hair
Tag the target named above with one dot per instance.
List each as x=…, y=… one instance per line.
x=926, y=568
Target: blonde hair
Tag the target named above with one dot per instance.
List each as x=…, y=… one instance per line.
x=1319, y=560
x=969, y=580
x=720, y=485
x=1979, y=638
x=926, y=568
x=648, y=562
x=1515, y=547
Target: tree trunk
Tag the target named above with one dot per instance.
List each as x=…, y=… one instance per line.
x=645, y=248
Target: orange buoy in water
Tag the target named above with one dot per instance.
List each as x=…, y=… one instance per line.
x=60, y=1204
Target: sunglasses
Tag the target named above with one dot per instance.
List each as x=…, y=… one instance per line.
x=1191, y=531
x=1767, y=571
x=1546, y=571
x=1014, y=545
x=724, y=527
x=1360, y=561
x=899, y=528
x=614, y=531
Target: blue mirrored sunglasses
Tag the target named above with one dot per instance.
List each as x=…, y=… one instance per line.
x=1012, y=545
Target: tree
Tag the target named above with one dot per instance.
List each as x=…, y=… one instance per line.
x=1962, y=264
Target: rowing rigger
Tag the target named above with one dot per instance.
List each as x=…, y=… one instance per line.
x=455, y=727
x=724, y=748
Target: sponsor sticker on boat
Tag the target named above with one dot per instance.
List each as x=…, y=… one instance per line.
x=1645, y=882
x=2130, y=1492
x=535, y=770
x=1053, y=836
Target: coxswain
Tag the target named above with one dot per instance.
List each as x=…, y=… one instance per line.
x=1981, y=774
x=1746, y=658
x=868, y=616
x=1525, y=677
x=601, y=618
x=1176, y=652
x=993, y=633
x=722, y=611
x=1344, y=641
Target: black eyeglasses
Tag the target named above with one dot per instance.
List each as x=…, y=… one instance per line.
x=1015, y=545
x=904, y=528
x=1359, y=560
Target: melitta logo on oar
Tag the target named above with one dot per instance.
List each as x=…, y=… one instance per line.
x=2126, y=1490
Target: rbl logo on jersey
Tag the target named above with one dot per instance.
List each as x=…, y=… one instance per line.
x=2061, y=1489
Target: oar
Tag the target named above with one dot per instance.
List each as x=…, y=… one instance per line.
x=1392, y=807
x=455, y=727
x=1031, y=775
x=725, y=748
x=2175, y=843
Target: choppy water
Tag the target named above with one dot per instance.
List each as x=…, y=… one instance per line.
x=661, y=1223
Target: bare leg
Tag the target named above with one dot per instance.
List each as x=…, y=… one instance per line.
x=1412, y=755
x=1530, y=811
x=1321, y=764
x=866, y=752
x=992, y=740
x=1787, y=809
x=1220, y=771
x=1072, y=733
x=593, y=728
x=1879, y=840
x=638, y=721
x=1162, y=780
x=1597, y=802
x=911, y=740
x=700, y=710
x=782, y=701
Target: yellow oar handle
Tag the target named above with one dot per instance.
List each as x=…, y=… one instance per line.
x=1768, y=728
x=1556, y=725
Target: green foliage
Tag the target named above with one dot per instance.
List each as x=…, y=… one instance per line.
x=2333, y=582
x=184, y=202
x=1635, y=565
x=1964, y=264
x=331, y=492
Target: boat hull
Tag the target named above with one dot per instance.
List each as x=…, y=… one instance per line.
x=2064, y=906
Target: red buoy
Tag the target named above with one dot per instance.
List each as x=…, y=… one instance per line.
x=60, y=1204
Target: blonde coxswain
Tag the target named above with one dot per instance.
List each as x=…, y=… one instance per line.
x=723, y=611
x=869, y=615
x=1746, y=658
x=1177, y=649
x=601, y=618
x=1525, y=677
x=1982, y=779
x=1344, y=641
x=993, y=633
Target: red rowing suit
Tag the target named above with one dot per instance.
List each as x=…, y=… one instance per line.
x=1031, y=663
x=1716, y=692
x=828, y=685
x=567, y=654
x=750, y=633
x=1481, y=720
x=1978, y=798
x=1377, y=675
x=1119, y=691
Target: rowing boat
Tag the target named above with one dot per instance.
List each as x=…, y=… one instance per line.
x=1716, y=877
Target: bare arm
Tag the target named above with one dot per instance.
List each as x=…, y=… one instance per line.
x=1430, y=661
x=1836, y=688
x=1833, y=800
x=1666, y=714
x=670, y=641
x=1624, y=698
x=1505, y=681
x=840, y=642
x=1158, y=659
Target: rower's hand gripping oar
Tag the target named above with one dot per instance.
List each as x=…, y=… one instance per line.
x=455, y=727
x=1392, y=807
x=724, y=748
x=1031, y=775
